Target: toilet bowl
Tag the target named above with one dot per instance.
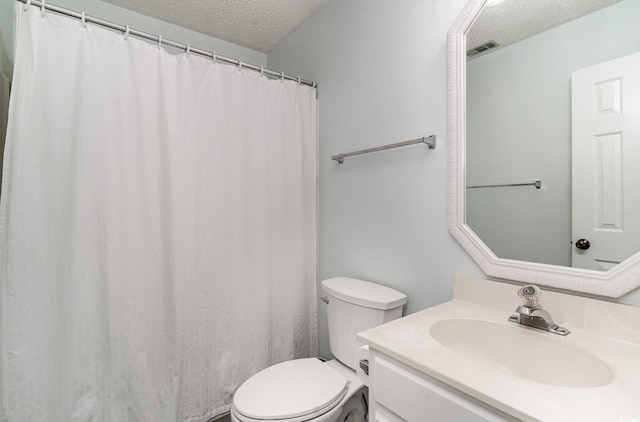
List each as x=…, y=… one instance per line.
x=302, y=390
x=309, y=389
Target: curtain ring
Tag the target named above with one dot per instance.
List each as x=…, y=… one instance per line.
x=298, y=79
x=159, y=41
x=281, y=76
x=239, y=65
x=27, y=4
x=214, y=57
x=84, y=19
x=188, y=50
x=43, y=7
x=126, y=32
x=261, y=71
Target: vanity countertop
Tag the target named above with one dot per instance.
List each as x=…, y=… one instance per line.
x=606, y=330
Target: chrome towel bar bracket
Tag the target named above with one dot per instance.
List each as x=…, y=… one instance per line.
x=430, y=141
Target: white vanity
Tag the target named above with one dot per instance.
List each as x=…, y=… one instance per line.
x=399, y=392
x=464, y=361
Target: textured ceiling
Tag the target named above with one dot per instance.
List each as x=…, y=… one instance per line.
x=256, y=24
x=514, y=20
x=262, y=24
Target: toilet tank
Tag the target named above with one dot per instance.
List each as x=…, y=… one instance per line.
x=353, y=306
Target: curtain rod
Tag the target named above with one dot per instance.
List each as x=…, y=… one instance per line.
x=42, y=4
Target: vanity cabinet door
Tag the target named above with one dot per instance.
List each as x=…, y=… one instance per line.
x=400, y=393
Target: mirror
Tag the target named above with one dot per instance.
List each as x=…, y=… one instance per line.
x=510, y=122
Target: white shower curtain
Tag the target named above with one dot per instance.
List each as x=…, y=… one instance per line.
x=157, y=228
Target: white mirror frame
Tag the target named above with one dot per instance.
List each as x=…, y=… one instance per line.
x=621, y=279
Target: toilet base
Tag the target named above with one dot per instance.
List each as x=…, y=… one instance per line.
x=355, y=409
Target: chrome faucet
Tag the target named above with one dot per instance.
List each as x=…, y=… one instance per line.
x=531, y=314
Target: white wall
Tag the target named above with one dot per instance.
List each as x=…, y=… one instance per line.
x=514, y=138
x=381, y=66
x=135, y=20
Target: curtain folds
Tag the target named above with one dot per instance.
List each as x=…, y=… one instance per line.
x=157, y=226
x=6, y=72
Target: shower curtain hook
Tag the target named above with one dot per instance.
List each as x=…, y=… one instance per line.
x=43, y=7
x=281, y=76
x=27, y=4
x=159, y=41
x=126, y=32
x=188, y=50
x=84, y=19
x=214, y=57
x=261, y=71
x=298, y=79
x=239, y=65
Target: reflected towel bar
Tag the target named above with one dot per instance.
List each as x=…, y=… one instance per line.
x=430, y=141
x=537, y=184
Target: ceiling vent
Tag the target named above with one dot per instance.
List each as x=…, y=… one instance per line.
x=489, y=45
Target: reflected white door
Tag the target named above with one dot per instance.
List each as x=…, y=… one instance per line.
x=606, y=163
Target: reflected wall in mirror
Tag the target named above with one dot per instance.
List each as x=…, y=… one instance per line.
x=519, y=128
x=516, y=118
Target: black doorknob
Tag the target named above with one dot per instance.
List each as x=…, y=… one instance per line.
x=583, y=244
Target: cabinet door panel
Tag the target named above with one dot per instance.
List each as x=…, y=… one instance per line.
x=416, y=398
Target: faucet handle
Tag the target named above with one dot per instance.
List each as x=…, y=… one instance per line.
x=530, y=294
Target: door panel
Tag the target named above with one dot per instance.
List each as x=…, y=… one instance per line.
x=606, y=162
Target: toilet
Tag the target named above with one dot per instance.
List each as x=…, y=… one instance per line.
x=309, y=389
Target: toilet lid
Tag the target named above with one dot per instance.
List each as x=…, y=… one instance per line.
x=290, y=389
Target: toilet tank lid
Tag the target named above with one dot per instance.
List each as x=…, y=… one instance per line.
x=364, y=293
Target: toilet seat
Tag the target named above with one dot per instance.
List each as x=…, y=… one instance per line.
x=300, y=389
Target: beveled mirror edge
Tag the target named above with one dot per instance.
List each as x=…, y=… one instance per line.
x=616, y=282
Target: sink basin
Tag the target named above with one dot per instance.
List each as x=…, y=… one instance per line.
x=524, y=352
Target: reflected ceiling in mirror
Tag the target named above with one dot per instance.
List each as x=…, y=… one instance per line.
x=511, y=21
x=510, y=123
